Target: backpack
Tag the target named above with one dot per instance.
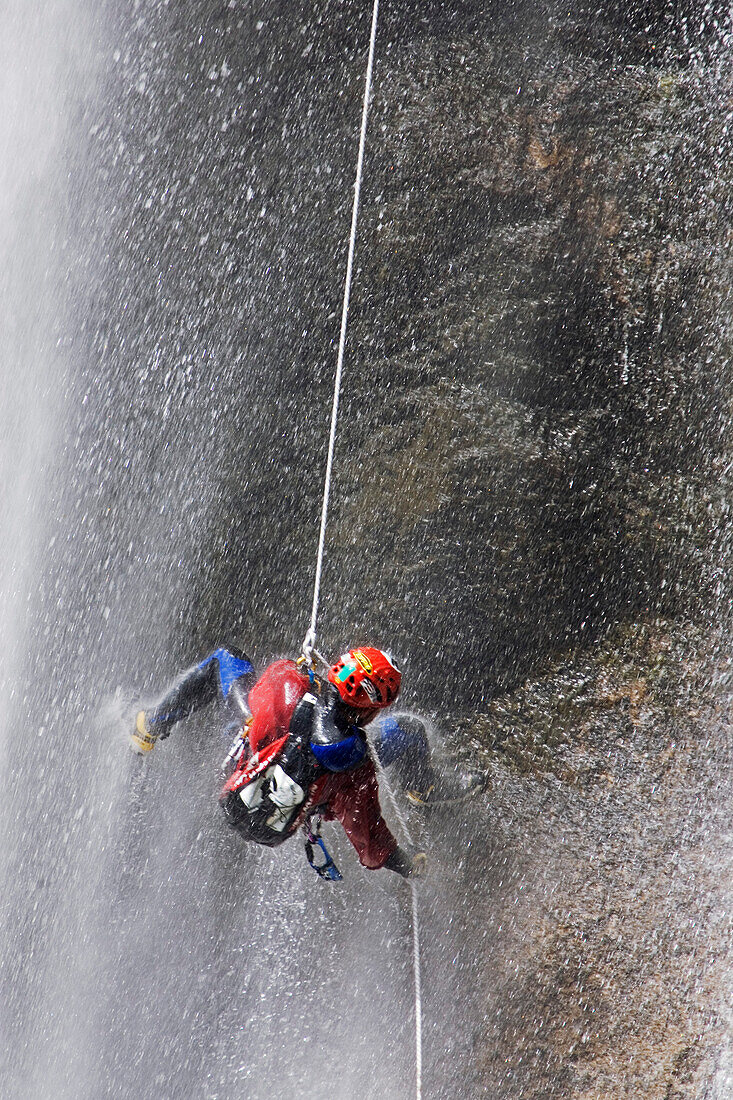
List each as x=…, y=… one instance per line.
x=265, y=794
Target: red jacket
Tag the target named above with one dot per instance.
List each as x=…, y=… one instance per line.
x=350, y=797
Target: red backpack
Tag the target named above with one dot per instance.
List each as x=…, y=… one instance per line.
x=265, y=795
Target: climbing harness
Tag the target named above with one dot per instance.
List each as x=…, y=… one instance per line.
x=313, y=839
x=308, y=648
x=310, y=639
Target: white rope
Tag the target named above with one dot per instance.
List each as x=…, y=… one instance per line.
x=384, y=782
x=418, y=993
x=310, y=638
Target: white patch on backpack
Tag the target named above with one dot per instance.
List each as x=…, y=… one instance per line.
x=286, y=794
x=251, y=795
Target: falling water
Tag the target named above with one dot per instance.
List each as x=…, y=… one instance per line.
x=174, y=201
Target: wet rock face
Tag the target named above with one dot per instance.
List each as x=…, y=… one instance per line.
x=537, y=450
x=537, y=401
x=533, y=437
x=611, y=966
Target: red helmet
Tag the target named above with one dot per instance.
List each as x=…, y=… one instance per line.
x=366, y=678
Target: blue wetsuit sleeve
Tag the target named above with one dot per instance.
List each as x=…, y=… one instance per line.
x=402, y=741
x=230, y=667
x=199, y=686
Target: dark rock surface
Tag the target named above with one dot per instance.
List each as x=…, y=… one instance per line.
x=617, y=978
x=610, y=773
x=539, y=402
x=533, y=443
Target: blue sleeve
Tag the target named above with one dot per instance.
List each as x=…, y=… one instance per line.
x=396, y=737
x=229, y=667
x=199, y=686
x=403, y=742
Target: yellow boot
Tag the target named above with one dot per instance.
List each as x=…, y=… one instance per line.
x=142, y=740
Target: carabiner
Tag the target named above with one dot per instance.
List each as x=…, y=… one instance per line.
x=328, y=869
